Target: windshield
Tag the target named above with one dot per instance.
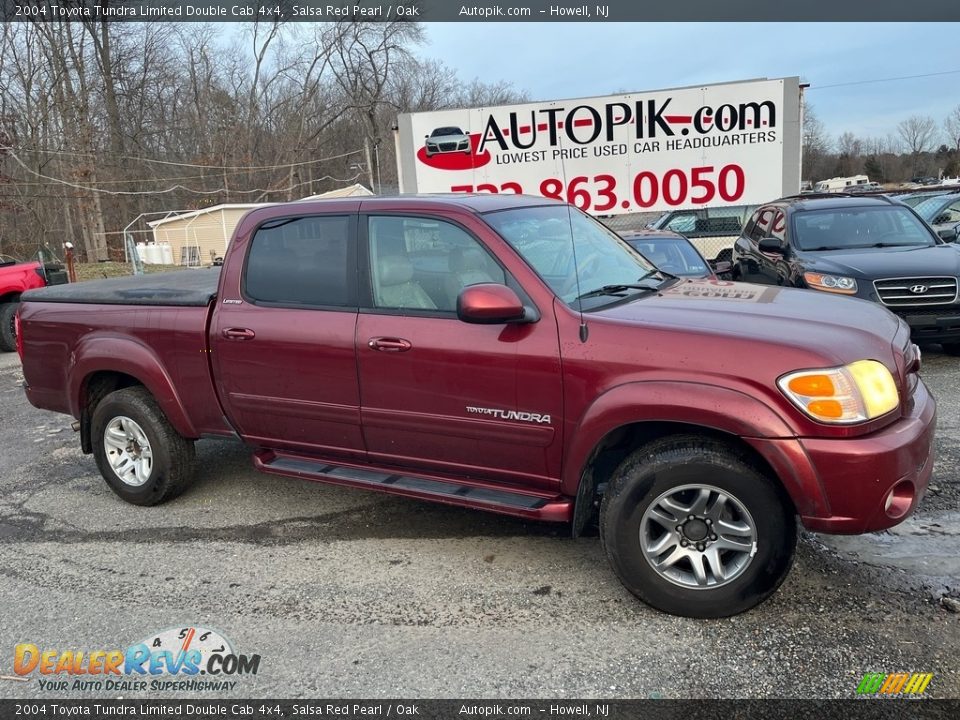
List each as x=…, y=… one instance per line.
x=542, y=236
x=440, y=132
x=931, y=207
x=859, y=227
x=677, y=257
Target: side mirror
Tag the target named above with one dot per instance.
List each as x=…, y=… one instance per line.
x=489, y=304
x=771, y=246
x=721, y=266
x=951, y=234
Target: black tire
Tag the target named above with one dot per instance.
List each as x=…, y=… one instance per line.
x=8, y=335
x=681, y=460
x=173, y=455
x=951, y=348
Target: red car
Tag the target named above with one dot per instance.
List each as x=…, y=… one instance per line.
x=16, y=278
x=504, y=353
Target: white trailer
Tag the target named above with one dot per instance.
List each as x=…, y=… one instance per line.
x=839, y=184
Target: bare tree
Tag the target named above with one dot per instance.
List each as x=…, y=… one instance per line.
x=365, y=55
x=951, y=126
x=816, y=144
x=919, y=132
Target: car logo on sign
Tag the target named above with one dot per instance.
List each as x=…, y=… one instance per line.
x=918, y=289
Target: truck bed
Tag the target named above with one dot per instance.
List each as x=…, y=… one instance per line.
x=184, y=288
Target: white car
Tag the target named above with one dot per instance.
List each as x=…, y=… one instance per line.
x=447, y=140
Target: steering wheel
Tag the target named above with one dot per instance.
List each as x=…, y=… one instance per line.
x=588, y=265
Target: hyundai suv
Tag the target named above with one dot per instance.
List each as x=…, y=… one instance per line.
x=872, y=248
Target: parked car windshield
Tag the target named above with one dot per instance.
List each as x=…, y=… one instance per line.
x=549, y=237
x=675, y=255
x=930, y=208
x=859, y=227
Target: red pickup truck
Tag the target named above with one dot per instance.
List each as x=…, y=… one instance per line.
x=16, y=278
x=503, y=353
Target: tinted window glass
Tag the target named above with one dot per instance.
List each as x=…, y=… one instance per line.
x=763, y=225
x=424, y=263
x=858, y=227
x=303, y=261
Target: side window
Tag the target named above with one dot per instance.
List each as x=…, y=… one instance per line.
x=778, y=227
x=763, y=225
x=301, y=261
x=424, y=263
x=683, y=223
x=949, y=214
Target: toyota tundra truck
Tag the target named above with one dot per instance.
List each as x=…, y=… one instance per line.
x=510, y=354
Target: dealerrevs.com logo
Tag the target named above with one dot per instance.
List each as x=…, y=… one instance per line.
x=892, y=684
x=185, y=659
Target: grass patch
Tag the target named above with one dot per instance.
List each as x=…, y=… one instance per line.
x=99, y=271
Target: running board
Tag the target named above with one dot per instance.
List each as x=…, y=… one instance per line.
x=424, y=487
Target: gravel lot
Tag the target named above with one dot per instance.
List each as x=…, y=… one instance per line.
x=348, y=593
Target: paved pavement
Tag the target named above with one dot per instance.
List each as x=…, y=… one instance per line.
x=348, y=593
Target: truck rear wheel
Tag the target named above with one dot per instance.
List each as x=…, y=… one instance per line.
x=692, y=528
x=142, y=458
x=8, y=334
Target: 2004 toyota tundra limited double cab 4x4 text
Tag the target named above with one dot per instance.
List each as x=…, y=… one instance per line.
x=503, y=353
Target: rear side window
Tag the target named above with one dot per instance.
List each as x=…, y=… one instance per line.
x=302, y=261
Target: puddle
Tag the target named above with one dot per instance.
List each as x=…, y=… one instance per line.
x=927, y=545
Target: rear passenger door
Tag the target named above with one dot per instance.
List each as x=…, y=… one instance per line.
x=284, y=350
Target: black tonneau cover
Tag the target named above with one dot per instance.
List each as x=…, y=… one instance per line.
x=181, y=288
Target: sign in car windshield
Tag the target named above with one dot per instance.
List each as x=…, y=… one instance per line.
x=731, y=144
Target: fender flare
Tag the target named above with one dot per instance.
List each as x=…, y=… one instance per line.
x=708, y=406
x=123, y=354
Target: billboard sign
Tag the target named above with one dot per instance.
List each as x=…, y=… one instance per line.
x=730, y=144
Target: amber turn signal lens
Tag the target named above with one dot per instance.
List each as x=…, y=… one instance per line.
x=812, y=386
x=826, y=408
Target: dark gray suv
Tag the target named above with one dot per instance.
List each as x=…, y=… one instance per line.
x=867, y=247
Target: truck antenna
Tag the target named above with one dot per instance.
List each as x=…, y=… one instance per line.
x=584, y=330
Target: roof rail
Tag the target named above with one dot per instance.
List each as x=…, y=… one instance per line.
x=814, y=196
x=827, y=195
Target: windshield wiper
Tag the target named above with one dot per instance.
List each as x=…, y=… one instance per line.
x=617, y=290
x=883, y=245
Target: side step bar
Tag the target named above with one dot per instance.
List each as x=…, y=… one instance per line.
x=424, y=487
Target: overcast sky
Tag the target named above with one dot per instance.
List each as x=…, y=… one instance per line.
x=567, y=60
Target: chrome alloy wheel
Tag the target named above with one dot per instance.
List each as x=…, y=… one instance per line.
x=128, y=451
x=698, y=536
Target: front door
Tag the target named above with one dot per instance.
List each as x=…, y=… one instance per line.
x=438, y=394
x=284, y=350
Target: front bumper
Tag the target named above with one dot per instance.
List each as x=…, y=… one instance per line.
x=934, y=324
x=842, y=485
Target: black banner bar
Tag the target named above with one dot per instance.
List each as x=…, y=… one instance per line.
x=205, y=709
x=860, y=11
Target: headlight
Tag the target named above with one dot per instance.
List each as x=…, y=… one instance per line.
x=831, y=283
x=854, y=393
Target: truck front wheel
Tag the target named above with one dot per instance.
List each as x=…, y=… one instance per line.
x=140, y=455
x=692, y=528
x=8, y=334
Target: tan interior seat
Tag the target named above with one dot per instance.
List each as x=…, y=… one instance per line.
x=396, y=287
